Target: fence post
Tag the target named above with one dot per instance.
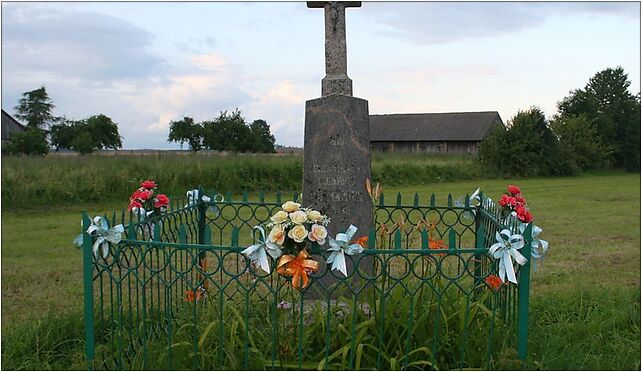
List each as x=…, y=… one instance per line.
x=524, y=289
x=202, y=210
x=480, y=241
x=88, y=290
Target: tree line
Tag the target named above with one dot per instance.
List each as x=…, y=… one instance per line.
x=227, y=132
x=595, y=127
x=35, y=108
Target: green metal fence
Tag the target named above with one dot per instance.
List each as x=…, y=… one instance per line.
x=176, y=293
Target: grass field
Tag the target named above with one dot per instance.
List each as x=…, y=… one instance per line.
x=36, y=182
x=585, y=304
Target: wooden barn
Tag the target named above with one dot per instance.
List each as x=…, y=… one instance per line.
x=436, y=133
x=10, y=126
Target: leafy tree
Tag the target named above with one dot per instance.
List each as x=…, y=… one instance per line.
x=527, y=147
x=186, y=130
x=86, y=136
x=35, y=108
x=262, y=138
x=228, y=132
x=104, y=132
x=607, y=103
x=581, y=141
x=30, y=142
x=62, y=134
x=83, y=143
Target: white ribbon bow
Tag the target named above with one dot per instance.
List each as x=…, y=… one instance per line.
x=507, y=246
x=258, y=252
x=472, y=198
x=340, y=247
x=538, y=246
x=192, y=198
x=105, y=235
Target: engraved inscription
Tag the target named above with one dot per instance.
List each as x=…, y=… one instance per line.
x=336, y=141
x=337, y=181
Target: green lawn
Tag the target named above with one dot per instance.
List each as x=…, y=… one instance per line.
x=585, y=304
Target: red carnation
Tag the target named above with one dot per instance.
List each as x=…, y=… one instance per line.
x=523, y=214
x=527, y=217
x=135, y=204
x=149, y=184
x=514, y=190
x=520, y=200
x=144, y=195
x=507, y=200
x=161, y=201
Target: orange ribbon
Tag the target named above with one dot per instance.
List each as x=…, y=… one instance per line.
x=297, y=267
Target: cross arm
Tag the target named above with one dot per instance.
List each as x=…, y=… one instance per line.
x=322, y=4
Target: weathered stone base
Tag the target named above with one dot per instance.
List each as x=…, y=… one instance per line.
x=337, y=164
x=336, y=84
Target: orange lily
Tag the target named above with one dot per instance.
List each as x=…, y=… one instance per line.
x=297, y=267
x=195, y=295
x=494, y=282
x=437, y=244
x=362, y=241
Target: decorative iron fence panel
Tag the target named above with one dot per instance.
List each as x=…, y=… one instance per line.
x=178, y=294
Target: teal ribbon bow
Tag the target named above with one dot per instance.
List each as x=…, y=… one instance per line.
x=538, y=246
x=340, y=246
x=100, y=230
x=508, y=246
x=258, y=252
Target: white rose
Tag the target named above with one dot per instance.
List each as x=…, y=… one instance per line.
x=298, y=217
x=318, y=234
x=298, y=233
x=277, y=235
x=314, y=216
x=291, y=206
x=279, y=217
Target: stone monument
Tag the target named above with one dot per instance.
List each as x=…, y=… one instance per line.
x=337, y=138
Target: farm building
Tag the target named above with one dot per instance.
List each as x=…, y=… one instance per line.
x=10, y=126
x=444, y=133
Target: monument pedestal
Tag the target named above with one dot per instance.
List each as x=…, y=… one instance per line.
x=336, y=166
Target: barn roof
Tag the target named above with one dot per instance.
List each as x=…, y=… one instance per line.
x=10, y=125
x=449, y=126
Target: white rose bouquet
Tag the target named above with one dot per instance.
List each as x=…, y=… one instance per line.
x=291, y=229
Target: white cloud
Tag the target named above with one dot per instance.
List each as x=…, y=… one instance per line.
x=445, y=22
x=282, y=105
x=74, y=44
x=212, y=87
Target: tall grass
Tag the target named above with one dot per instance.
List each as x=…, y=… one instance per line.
x=581, y=329
x=53, y=342
x=62, y=180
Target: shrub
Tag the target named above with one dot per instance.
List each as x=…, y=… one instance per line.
x=581, y=141
x=527, y=148
x=30, y=142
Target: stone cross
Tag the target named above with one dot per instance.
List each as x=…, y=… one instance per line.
x=336, y=78
x=336, y=160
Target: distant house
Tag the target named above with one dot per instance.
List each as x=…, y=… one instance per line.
x=10, y=126
x=440, y=133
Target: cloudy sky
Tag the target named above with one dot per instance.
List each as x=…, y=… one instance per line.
x=145, y=64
